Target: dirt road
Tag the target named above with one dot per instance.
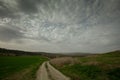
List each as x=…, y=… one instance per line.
x=48, y=72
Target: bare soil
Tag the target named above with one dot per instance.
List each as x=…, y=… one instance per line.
x=48, y=72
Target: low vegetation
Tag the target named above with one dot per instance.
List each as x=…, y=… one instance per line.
x=19, y=67
x=95, y=67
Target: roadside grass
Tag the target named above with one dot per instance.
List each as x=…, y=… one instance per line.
x=80, y=72
x=12, y=66
x=96, y=67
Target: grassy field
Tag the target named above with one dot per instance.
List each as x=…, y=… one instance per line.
x=20, y=67
x=97, y=67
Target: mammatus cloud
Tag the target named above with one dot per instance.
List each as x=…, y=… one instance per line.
x=60, y=25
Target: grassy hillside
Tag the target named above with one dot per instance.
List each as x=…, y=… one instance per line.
x=96, y=67
x=20, y=67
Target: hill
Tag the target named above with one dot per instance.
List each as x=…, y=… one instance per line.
x=9, y=52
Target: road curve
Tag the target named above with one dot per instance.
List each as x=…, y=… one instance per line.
x=48, y=72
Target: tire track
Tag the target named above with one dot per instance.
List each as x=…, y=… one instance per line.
x=48, y=72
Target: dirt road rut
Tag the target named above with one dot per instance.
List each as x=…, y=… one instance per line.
x=48, y=72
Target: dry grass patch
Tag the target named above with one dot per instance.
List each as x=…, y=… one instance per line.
x=91, y=63
x=60, y=62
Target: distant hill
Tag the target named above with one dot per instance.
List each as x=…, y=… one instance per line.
x=9, y=52
x=112, y=54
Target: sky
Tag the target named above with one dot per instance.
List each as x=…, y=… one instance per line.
x=91, y=26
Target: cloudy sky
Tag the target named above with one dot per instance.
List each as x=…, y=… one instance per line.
x=60, y=25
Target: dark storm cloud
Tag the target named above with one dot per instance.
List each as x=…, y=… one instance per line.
x=4, y=11
x=28, y=6
x=9, y=9
x=8, y=33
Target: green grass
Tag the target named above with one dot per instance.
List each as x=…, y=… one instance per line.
x=10, y=65
x=100, y=67
x=80, y=72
